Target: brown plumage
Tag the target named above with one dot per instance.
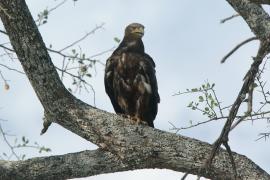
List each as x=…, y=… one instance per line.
x=130, y=79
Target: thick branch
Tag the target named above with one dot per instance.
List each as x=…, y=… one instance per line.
x=81, y=164
x=254, y=15
x=135, y=146
x=178, y=153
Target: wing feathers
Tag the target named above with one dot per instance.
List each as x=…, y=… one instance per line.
x=131, y=84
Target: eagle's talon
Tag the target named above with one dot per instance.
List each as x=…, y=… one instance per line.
x=138, y=121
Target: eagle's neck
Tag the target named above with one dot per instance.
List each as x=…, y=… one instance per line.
x=131, y=45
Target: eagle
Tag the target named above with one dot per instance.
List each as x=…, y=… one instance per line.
x=130, y=78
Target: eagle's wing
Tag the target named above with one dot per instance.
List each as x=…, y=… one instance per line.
x=152, y=77
x=150, y=74
x=108, y=81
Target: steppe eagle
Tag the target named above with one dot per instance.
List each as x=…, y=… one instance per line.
x=130, y=79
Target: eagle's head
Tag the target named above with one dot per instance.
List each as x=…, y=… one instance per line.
x=134, y=31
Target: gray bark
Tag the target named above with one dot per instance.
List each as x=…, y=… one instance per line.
x=123, y=145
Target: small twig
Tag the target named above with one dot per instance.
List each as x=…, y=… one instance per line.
x=249, y=107
x=208, y=104
x=263, y=135
x=39, y=20
x=3, y=32
x=9, y=49
x=228, y=18
x=81, y=80
x=184, y=176
x=236, y=48
x=12, y=69
x=231, y=158
x=103, y=52
x=219, y=107
x=63, y=66
x=82, y=38
x=7, y=142
x=3, y=78
x=197, y=124
x=190, y=91
x=75, y=57
x=57, y=6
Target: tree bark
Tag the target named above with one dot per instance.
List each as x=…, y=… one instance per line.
x=123, y=145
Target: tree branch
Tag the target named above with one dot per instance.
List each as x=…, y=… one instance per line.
x=180, y=154
x=81, y=164
x=254, y=15
x=236, y=48
x=130, y=146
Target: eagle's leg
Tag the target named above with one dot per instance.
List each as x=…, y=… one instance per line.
x=135, y=119
x=138, y=120
x=124, y=115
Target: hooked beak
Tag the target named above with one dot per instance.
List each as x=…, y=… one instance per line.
x=139, y=31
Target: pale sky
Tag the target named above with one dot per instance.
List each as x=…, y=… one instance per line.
x=185, y=39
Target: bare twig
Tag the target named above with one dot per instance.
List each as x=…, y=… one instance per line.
x=228, y=18
x=82, y=38
x=231, y=158
x=103, y=52
x=8, y=144
x=12, y=69
x=41, y=16
x=9, y=49
x=236, y=48
x=249, y=107
x=197, y=124
x=80, y=80
x=75, y=57
x=218, y=102
x=3, y=32
x=184, y=176
x=248, y=82
x=263, y=135
x=57, y=6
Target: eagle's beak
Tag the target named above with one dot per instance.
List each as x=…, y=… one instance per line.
x=139, y=31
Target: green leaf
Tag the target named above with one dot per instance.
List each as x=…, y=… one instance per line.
x=116, y=39
x=201, y=99
x=45, y=12
x=212, y=103
x=255, y=85
x=83, y=56
x=23, y=139
x=194, y=90
x=190, y=104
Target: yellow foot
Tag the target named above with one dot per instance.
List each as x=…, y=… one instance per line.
x=138, y=120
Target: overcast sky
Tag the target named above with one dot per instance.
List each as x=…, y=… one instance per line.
x=185, y=39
